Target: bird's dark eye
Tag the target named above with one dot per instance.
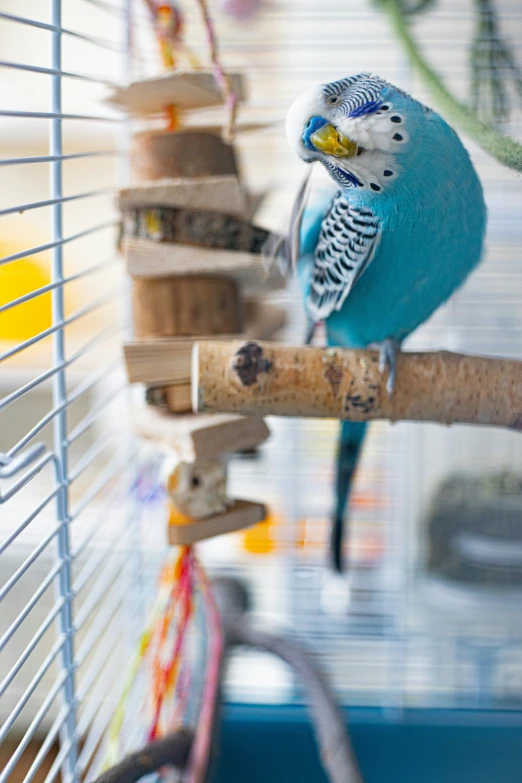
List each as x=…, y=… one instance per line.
x=334, y=99
x=195, y=481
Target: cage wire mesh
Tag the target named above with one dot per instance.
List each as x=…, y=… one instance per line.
x=81, y=511
x=68, y=569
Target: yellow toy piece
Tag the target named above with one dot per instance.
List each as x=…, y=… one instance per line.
x=153, y=225
x=177, y=518
x=16, y=279
x=260, y=539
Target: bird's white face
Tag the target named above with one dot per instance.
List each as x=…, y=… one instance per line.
x=352, y=130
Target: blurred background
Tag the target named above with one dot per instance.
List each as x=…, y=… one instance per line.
x=429, y=617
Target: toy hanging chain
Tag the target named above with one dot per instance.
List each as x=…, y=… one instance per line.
x=167, y=19
x=222, y=79
x=168, y=25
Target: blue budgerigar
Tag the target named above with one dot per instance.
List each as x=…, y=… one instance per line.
x=404, y=231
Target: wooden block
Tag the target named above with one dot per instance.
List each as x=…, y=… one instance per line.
x=220, y=194
x=263, y=319
x=184, y=89
x=241, y=127
x=146, y=258
x=205, y=436
x=242, y=514
x=186, y=306
x=184, y=153
x=175, y=398
x=160, y=361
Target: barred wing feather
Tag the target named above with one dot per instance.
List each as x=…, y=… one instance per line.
x=347, y=243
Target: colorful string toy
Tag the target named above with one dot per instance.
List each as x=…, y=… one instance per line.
x=165, y=657
x=168, y=22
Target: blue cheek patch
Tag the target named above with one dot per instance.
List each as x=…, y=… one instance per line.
x=366, y=108
x=344, y=178
x=348, y=178
x=315, y=124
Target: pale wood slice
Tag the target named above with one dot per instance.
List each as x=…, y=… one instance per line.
x=205, y=436
x=241, y=126
x=215, y=194
x=158, y=361
x=161, y=360
x=146, y=258
x=183, y=89
x=242, y=514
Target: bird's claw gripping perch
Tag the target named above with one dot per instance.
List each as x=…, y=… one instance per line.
x=388, y=351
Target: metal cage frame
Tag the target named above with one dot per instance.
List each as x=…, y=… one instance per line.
x=28, y=457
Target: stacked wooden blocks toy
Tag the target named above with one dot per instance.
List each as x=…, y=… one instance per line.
x=194, y=256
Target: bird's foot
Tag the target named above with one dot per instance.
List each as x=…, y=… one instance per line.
x=388, y=351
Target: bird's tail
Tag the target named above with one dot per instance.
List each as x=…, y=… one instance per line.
x=351, y=438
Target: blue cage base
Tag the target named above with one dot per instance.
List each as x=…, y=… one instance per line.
x=275, y=744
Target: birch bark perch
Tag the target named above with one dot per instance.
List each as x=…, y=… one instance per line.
x=272, y=379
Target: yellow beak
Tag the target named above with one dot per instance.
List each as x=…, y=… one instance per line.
x=329, y=140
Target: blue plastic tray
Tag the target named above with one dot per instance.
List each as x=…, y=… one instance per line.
x=266, y=744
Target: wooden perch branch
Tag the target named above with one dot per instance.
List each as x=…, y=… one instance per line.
x=272, y=379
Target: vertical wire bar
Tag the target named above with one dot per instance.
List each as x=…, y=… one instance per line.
x=133, y=524
x=68, y=730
